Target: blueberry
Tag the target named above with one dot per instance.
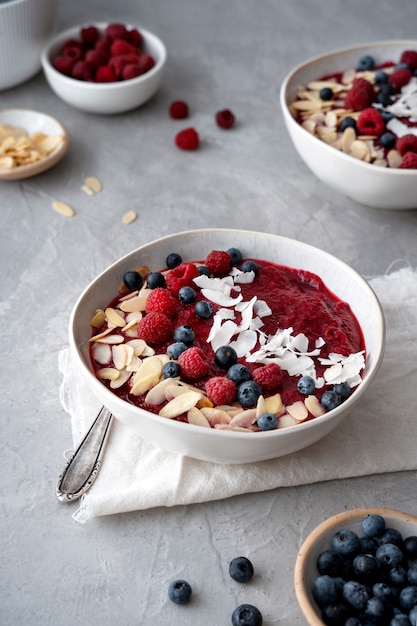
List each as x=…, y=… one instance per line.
x=402, y=66
x=175, y=349
x=204, y=270
x=391, y=535
x=248, y=393
x=347, y=122
x=413, y=615
x=408, y=597
x=410, y=547
x=380, y=77
x=250, y=266
x=173, y=260
x=346, y=542
x=368, y=545
x=326, y=93
x=246, y=615
x=329, y=400
x=335, y=614
x=379, y=610
x=384, y=590
x=330, y=562
x=356, y=594
x=400, y=620
x=155, y=279
x=366, y=568
x=133, y=280
x=365, y=63
x=235, y=255
x=187, y=295
x=326, y=590
x=306, y=385
x=203, y=309
x=179, y=591
x=397, y=576
x=185, y=334
x=171, y=370
x=343, y=390
x=352, y=621
x=387, y=140
x=239, y=373
x=225, y=357
x=267, y=421
x=384, y=95
x=387, y=116
x=241, y=569
x=389, y=555
x=373, y=525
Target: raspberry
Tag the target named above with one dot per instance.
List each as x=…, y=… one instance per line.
x=155, y=328
x=193, y=363
x=399, y=78
x=181, y=276
x=118, y=63
x=103, y=43
x=117, y=31
x=225, y=119
x=63, y=65
x=406, y=143
x=72, y=44
x=135, y=38
x=89, y=34
x=370, y=122
x=105, y=74
x=409, y=57
x=161, y=300
x=409, y=161
x=178, y=110
x=131, y=70
x=74, y=53
x=220, y=390
x=145, y=63
x=360, y=95
x=187, y=139
x=218, y=262
x=96, y=58
x=82, y=71
x=269, y=377
x=119, y=47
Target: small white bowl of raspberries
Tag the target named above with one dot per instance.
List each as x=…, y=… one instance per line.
x=104, y=68
x=352, y=116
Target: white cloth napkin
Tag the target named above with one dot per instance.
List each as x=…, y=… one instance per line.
x=379, y=436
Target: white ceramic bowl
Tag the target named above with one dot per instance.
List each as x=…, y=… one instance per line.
x=211, y=444
x=367, y=184
x=34, y=122
x=319, y=539
x=105, y=98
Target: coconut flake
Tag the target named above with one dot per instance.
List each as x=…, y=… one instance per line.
x=245, y=342
x=221, y=298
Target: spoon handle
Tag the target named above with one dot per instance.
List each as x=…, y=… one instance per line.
x=84, y=465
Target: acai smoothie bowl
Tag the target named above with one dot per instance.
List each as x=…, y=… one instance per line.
x=228, y=346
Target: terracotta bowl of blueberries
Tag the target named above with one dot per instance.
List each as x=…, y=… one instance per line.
x=104, y=68
x=228, y=346
x=352, y=117
x=359, y=567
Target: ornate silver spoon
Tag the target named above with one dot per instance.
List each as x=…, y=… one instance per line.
x=84, y=465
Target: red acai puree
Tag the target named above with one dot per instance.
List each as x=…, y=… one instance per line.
x=161, y=349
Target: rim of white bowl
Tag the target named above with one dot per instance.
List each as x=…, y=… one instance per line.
x=394, y=171
x=344, y=517
x=61, y=37
x=213, y=432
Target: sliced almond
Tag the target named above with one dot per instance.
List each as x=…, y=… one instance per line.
x=244, y=418
x=298, y=410
x=156, y=395
x=179, y=405
x=394, y=158
x=108, y=373
x=286, y=420
x=123, y=378
x=111, y=339
x=359, y=150
x=348, y=137
x=273, y=404
x=101, y=353
x=93, y=183
x=103, y=334
x=216, y=416
x=98, y=319
x=138, y=303
x=114, y=317
x=63, y=208
x=129, y=217
x=196, y=417
x=313, y=406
